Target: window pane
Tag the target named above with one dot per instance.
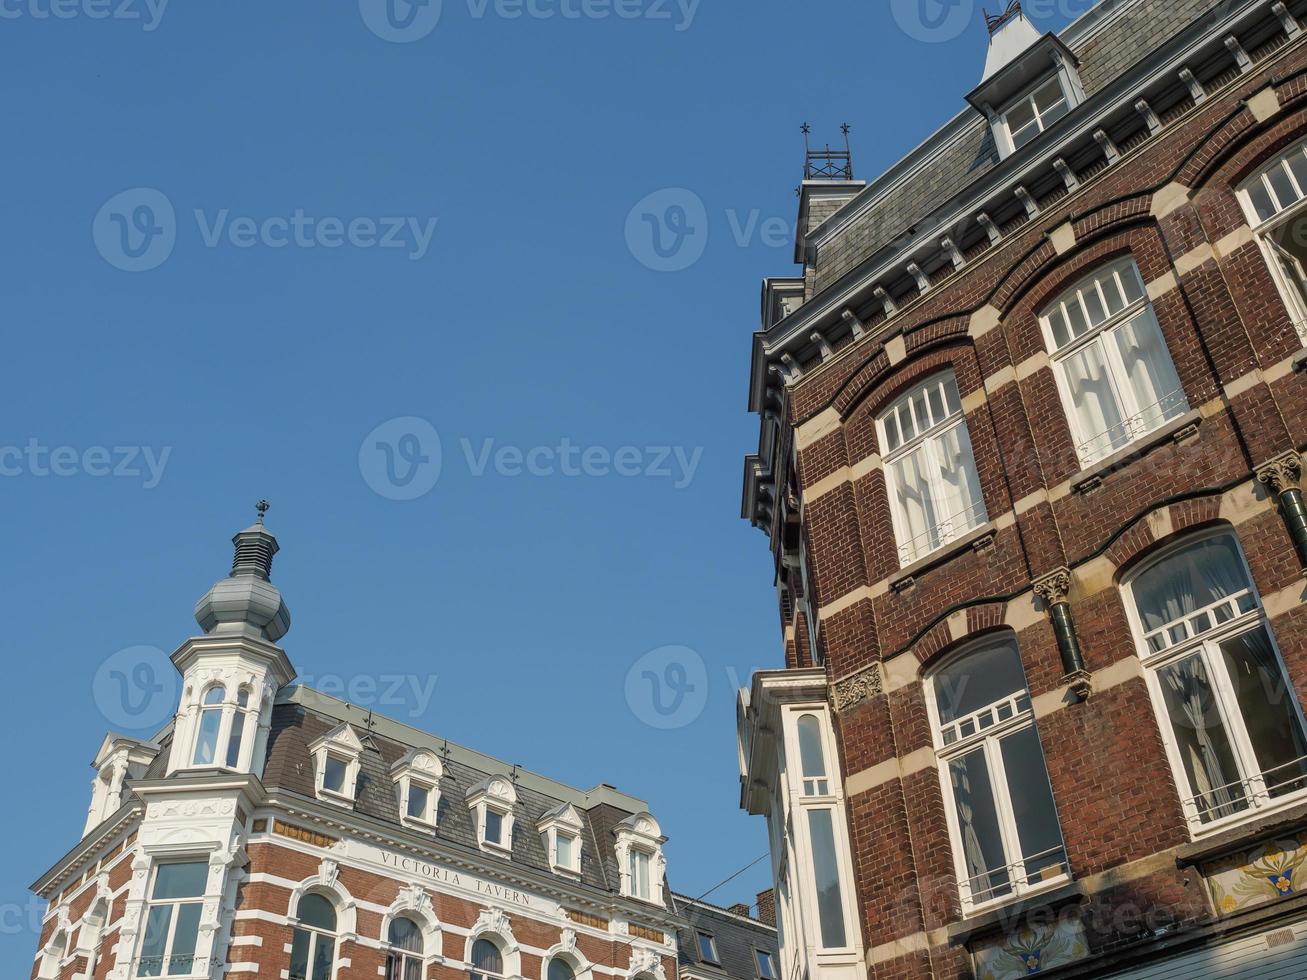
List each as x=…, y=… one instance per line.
x=1020, y=137
x=810, y=753
x=1055, y=112
x=961, y=503
x=185, y=934
x=952, y=400
x=765, y=968
x=1269, y=715
x=916, y=507
x=316, y=911
x=1149, y=370
x=1189, y=580
x=1021, y=115
x=1261, y=199
x=234, y=740
x=417, y=801
x=564, y=850
x=215, y=695
x=323, y=950
x=1200, y=735
x=983, y=856
x=1281, y=187
x=830, y=906
x=1061, y=335
x=559, y=970
x=1094, y=304
x=412, y=968
x=157, y=925
x=1098, y=417
x=988, y=674
x=1032, y=805
x=180, y=880
x=333, y=776
x=486, y=958
x=206, y=742
x=707, y=948
x=892, y=438
x=299, y=955
x=1048, y=94
x=405, y=935
x=1298, y=164
x=494, y=826
x=1076, y=316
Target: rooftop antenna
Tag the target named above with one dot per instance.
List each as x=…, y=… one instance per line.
x=996, y=21
x=827, y=164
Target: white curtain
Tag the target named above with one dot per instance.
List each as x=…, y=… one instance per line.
x=962, y=503
x=1097, y=410
x=1149, y=370
x=915, y=504
x=1204, y=743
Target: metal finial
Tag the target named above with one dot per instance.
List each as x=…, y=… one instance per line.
x=995, y=21
x=262, y=507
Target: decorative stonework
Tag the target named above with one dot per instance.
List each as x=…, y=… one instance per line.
x=1032, y=950
x=645, y=962
x=328, y=872
x=1055, y=587
x=1282, y=474
x=1266, y=873
x=866, y=684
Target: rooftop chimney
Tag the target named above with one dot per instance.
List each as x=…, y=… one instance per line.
x=767, y=907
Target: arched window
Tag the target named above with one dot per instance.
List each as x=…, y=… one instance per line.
x=1113, y=368
x=314, y=946
x=1004, y=827
x=238, y=720
x=1274, y=200
x=206, y=738
x=487, y=960
x=930, y=470
x=404, y=961
x=812, y=758
x=560, y=969
x=1228, y=714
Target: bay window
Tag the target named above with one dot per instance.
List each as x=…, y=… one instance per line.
x=1274, y=202
x=172, y=922
x=1006, y=837
x=1231, y=723
x=930, y=470
x=1114, y=371
x=221, y=723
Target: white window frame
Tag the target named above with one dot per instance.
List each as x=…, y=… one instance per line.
x=493, y=794
x=1207, y=644
x=1022, y=717
x=317, y=935
x=711, y=956
x=953, y=526
x=1027, y=98
x=640, y=834
x=343, y=745
x=418, y=769
x=234, y=720
x=759, y=955
x=799, y=828
x=175, y=904
x=562, y=821
x=1264, y=229
x=1133, y=422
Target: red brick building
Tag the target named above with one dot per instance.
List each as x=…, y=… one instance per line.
x=1031, y=425
x=273, y=831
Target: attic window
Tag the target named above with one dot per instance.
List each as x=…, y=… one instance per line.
x=640, y=856
x=560, y=832
x=417, y=785
x=336, y=765
x=1036, y=110
x=707, y=948
x=491, y=802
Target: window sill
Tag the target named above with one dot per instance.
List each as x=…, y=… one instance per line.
x=1241, y=835
x=1091, y=478
x=337, y=799
x=416, y=823
x=1002, y=917
x=973, y=540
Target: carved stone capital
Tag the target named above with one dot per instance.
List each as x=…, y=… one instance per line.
x=1283, y=473
x=856, y=688
x=1055, y=587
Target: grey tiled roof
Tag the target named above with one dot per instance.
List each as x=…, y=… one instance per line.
x=735, y=937
x=948, y=166
x=290, y=767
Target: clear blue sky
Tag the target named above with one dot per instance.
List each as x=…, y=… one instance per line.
x=531, y=316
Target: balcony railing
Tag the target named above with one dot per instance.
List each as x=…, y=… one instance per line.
x=1016, y=878
x=949, y=529
x=1133, y=427
x=1254, y=792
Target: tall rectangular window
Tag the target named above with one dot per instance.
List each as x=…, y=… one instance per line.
x=1113, y=368
x=172, y=921
x=1275, y=200
x=930, y=470
x=1227, y=711
x=1004, y=826
x=639, y=871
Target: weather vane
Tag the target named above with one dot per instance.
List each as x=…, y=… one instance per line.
x=262, y=507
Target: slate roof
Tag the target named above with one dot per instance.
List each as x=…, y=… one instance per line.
x=963, y=150
x=735, y=936
x=301, y=716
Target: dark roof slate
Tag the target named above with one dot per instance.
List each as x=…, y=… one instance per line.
x=735, y=937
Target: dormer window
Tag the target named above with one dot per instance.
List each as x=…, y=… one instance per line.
x=560, y=832
x=1035, y=111
x=417, y=783
x=491, y=802
x=640, y=856
x=336, y=765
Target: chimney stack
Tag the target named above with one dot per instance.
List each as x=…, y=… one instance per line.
x=767, y=907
